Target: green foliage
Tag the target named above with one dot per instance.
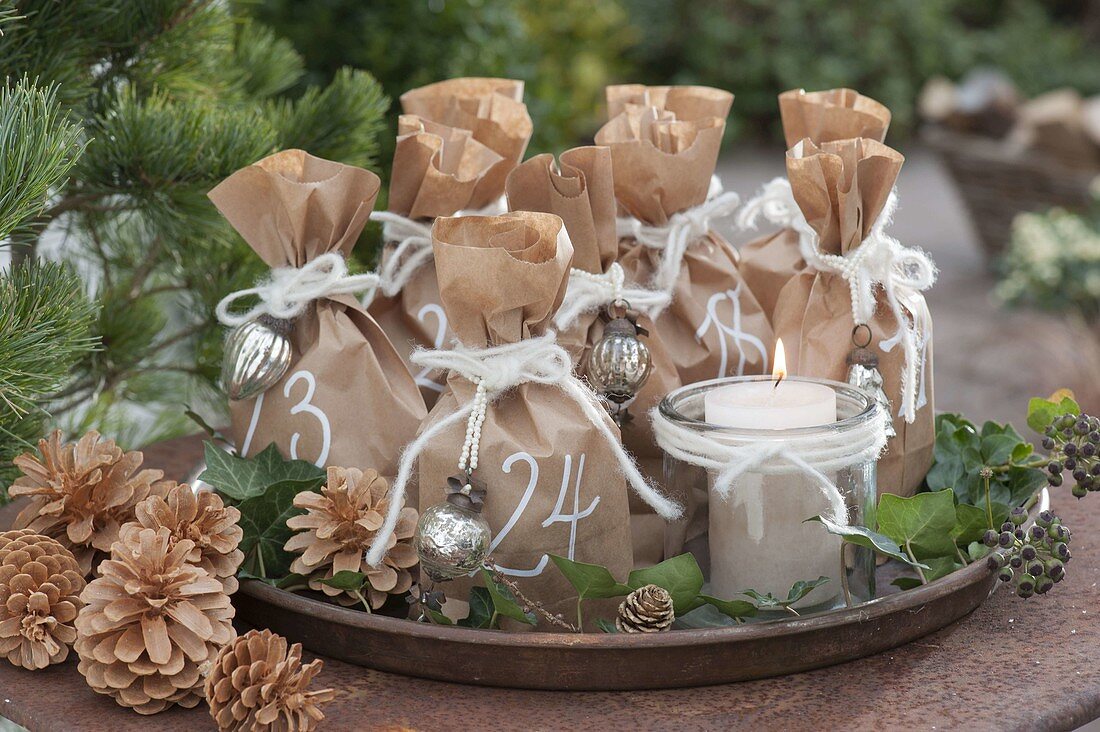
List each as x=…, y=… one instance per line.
x=173, y=96
x=1041, y=413
x=873, y=540
x=263, y=489
x=504, y=602
x=921, y=524
x=1053, y=262
x=680, y=576
x=962, y=451
x=768, y=601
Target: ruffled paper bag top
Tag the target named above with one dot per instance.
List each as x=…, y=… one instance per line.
x=553, y=483
x=501, y=278
x=491, y=109
x=347, y=398
x=664, y=143
x=832, y=114
x=768, y=262
x=841, y=188
x=436, y=168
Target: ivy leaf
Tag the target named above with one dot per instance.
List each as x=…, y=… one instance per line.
x=606, y=626
x=241, y=479
x=346, y=580
x=1021, y=484
x=263, y=520
x=1021, y=452
x=997, y=448
x=941, y=567
x=971, y=522
x=860, y=536
x=590, y=580
x=906, y=583
x=504, y=603
x=437, y=617
x=680, y=576
x=924, y=522
x=1042, y=412
x=481, y=609
x=736, y=609
x=293, y=581
x=977, y=550
x=798, y=590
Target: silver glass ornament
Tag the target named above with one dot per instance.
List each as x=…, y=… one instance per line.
x=257, y=355
x=452, y=538
x=863, y=374
x=619, y=363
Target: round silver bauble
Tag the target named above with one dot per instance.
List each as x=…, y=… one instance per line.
x=451, y=541
x=619, y=363
x=257, y=355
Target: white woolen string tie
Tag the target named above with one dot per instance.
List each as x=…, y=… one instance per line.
x=774, y=203
x=588, y=292
x=682, y=230
x=286, y=291
x=816, y=455
x=495, y=370
x=414, y=247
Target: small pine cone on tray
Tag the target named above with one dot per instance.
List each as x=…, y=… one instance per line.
x=646, y=610
x=153, y=622
x=40, y=585
x=82, y=493
x=202, y=518
x=257, y=684
x=338, y=527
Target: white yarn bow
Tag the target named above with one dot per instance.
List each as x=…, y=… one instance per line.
x=588, y=292
x=413, y=250
x=817, y=456
x=682, y=230
x=286, y=291
x=495, y=370
x=880, y=261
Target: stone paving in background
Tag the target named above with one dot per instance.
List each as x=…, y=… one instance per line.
x=988, y=360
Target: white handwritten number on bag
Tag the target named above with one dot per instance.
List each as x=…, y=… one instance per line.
x=431, y=308
x=304, y=406
x=556, y=516
x=731, y=334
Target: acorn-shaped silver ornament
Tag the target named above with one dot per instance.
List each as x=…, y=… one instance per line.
x=863, y=374
x=257, y=355
x=452, y=538
x=619, y=363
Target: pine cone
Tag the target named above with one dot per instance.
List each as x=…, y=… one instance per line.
x=646, y=610
x=256, y=685
x=201, y=518
x=40, y=584
x=337, y=529
x=82, y=493
x=152, y=621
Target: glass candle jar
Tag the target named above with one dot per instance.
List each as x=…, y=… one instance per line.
x=759, y=485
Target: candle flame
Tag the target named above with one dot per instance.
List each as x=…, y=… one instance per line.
x=779, y=370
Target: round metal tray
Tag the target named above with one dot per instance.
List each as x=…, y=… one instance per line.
x=599, y=661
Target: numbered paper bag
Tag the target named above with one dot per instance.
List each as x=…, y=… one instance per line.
x=843, y=189
x=436, y=170
x=665, y=143
x=581, y=191
x=553, y=484
x=767, y=263
x=347, y=398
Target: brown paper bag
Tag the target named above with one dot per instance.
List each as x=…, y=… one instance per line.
x=492, y=109
x=580, y=190
x=842, y=188
x=436, y=170
x=665, y=142
x=768, y=262
x=347, y=398
x=553, y=483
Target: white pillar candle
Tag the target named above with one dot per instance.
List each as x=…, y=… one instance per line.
x=757, y=537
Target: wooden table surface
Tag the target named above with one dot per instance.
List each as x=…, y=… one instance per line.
x=1011, y=665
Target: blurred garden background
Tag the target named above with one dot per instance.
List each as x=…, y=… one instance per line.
x=119, y=116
